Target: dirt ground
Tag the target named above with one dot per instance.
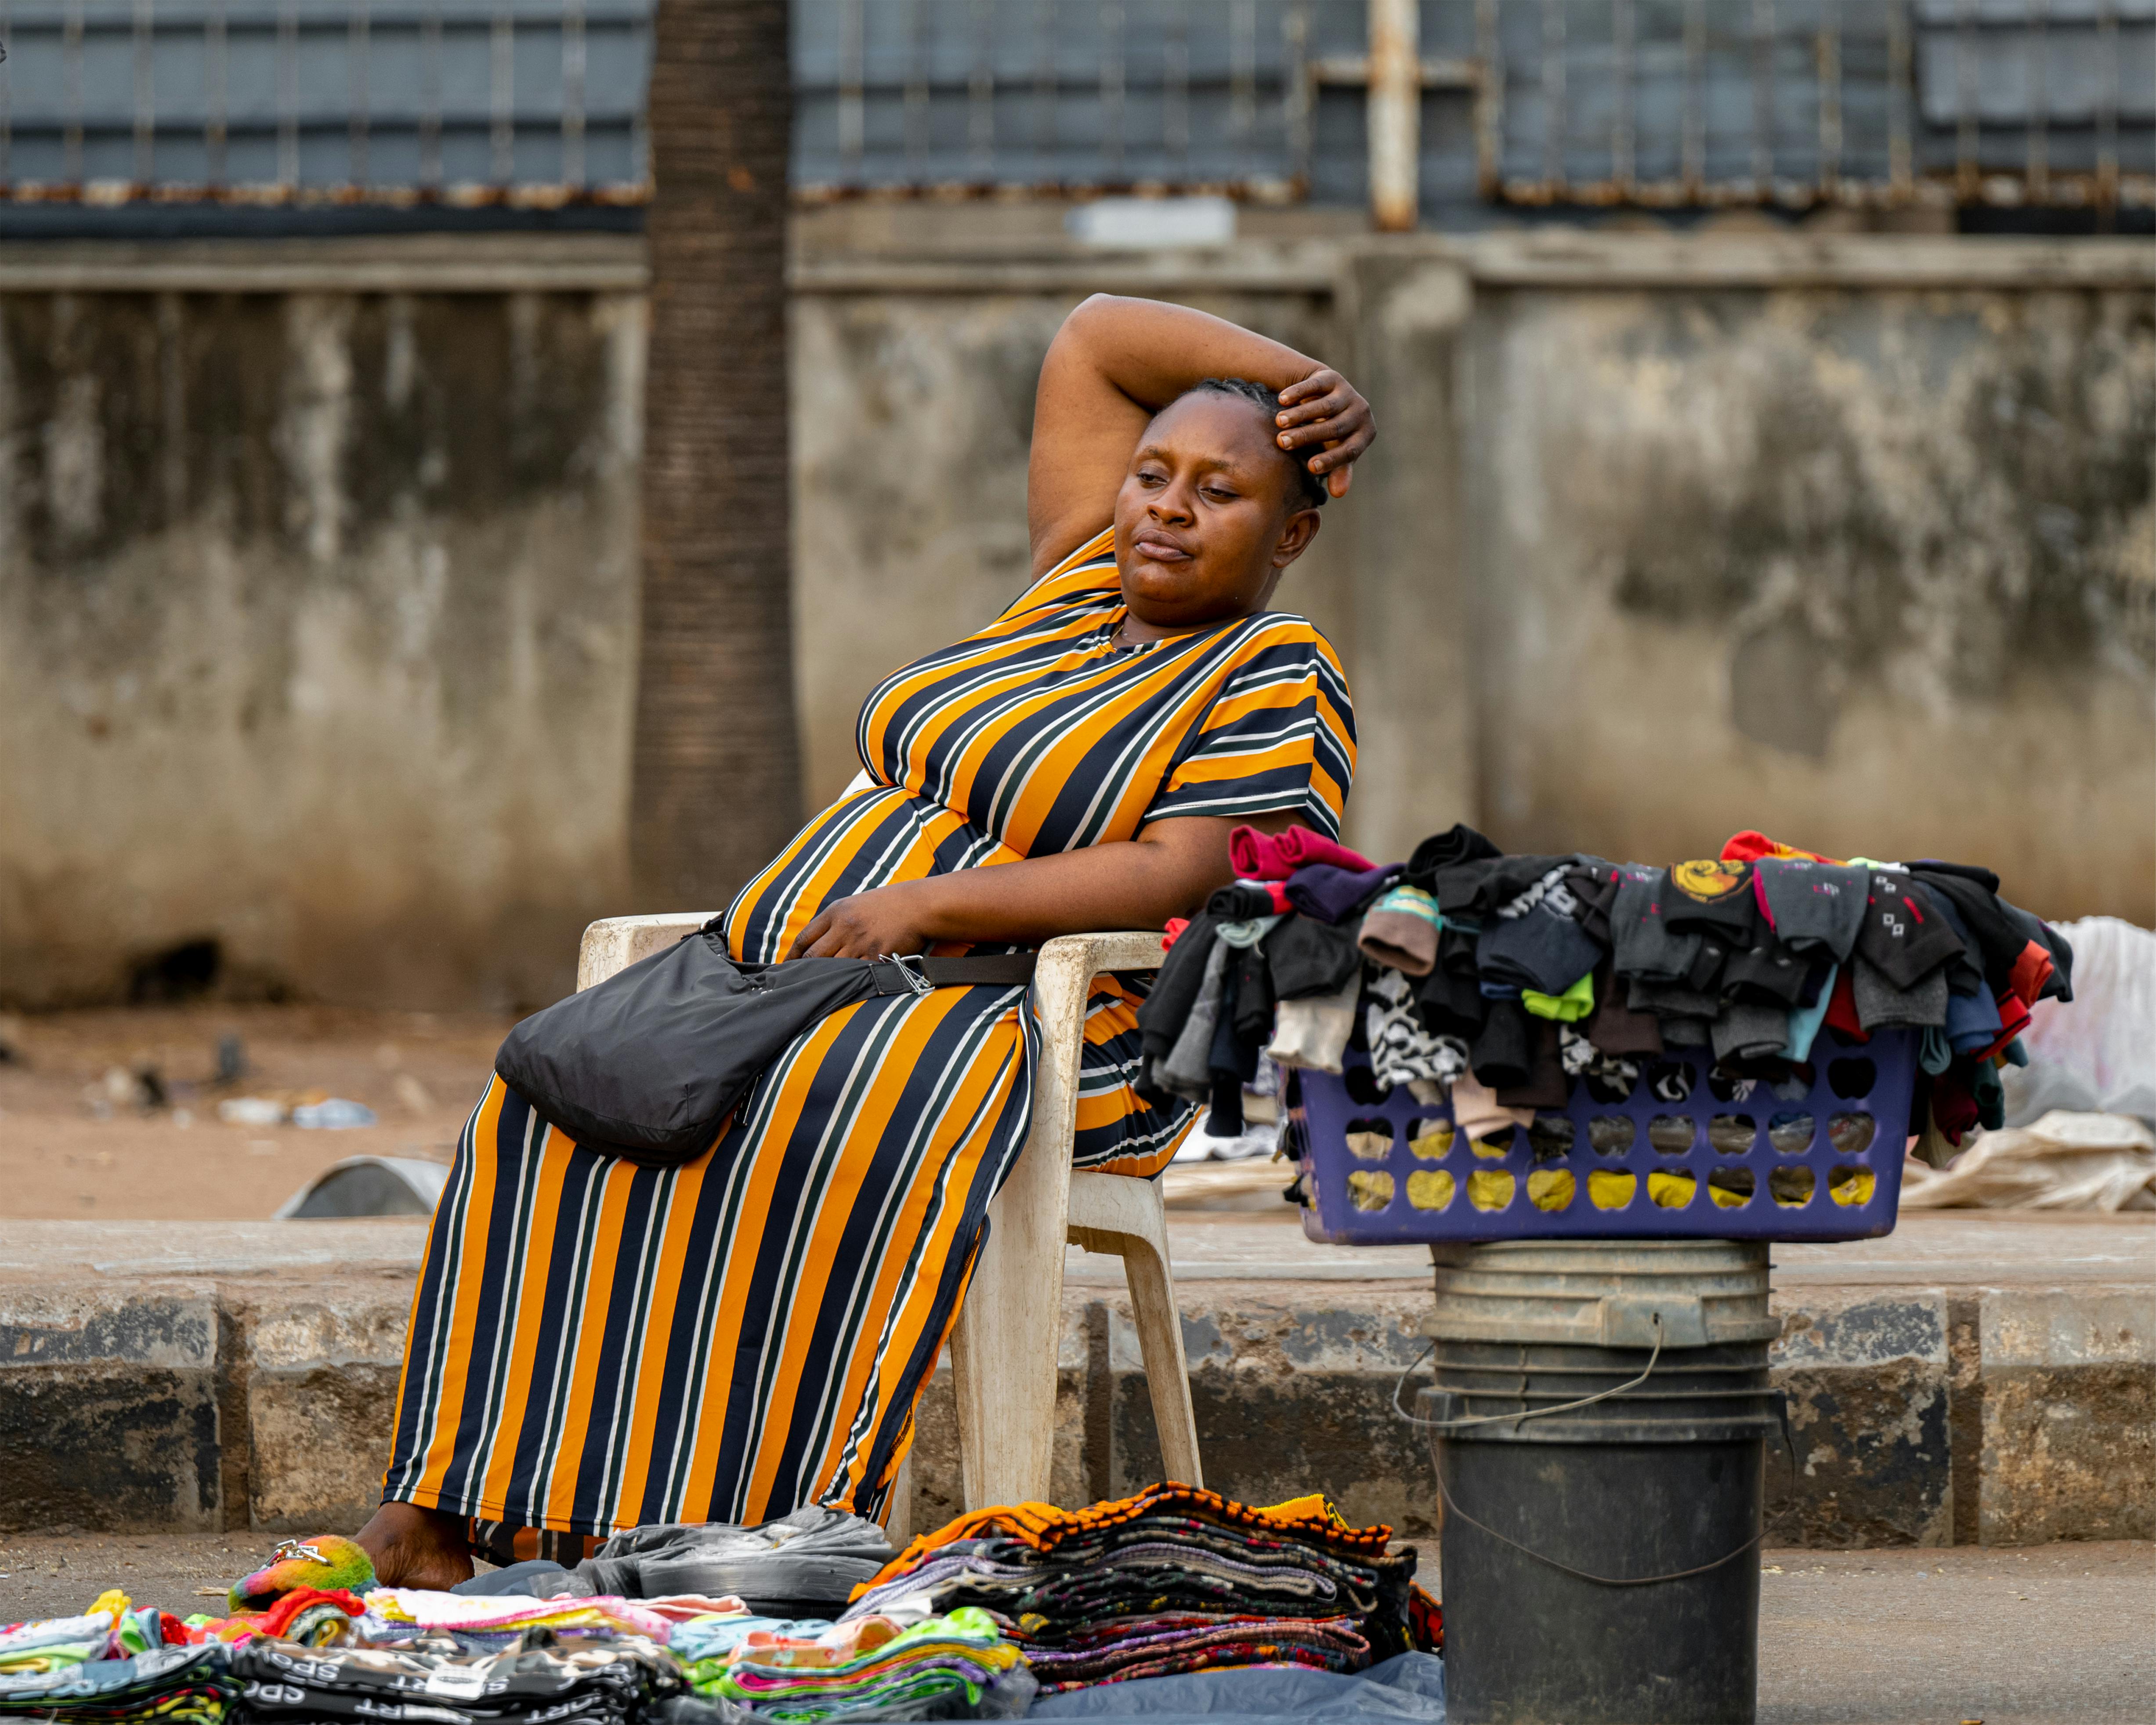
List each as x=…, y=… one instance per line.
x=83, y=1135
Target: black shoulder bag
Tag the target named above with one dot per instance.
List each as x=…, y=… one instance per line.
x=648, y=1064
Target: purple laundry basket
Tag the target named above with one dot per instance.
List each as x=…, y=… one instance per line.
x=1750, y=1159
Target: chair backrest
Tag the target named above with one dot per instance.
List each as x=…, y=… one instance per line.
x=615, y=942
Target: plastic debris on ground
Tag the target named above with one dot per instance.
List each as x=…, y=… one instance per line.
x=2062, y=1162
x=251, y=1111
x=2100, y=1057
x=337, y=1114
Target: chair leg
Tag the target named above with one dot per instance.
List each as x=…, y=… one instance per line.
x=898, y=1524
x=1114, y=1213
x=1160, y=1344
x=1004, y=1350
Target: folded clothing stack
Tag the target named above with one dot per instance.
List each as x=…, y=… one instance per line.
x=168, y=1685
x=111, y=1629
x=1171, y=1579
x=544, y=1678
x=959, y=1665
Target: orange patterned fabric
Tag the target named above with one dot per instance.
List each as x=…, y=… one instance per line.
x=596, y=1345
x=1313, y=1520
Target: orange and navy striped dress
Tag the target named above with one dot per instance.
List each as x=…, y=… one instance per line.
x=595, y=1345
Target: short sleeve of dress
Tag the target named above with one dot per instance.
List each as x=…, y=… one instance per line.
x=1279, y=737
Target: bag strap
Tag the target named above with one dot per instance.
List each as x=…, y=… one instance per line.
x=902, y=975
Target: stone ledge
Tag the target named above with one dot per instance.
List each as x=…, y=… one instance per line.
x=616, y=263
x=1968, y=1380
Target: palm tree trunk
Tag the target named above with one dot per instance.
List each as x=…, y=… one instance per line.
x=715, y=787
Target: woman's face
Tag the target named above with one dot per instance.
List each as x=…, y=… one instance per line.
x=1209, y=515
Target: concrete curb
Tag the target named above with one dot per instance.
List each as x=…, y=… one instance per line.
x=180, y=1377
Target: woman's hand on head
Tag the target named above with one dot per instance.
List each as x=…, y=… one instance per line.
x=866, y=926
x=1327, y=414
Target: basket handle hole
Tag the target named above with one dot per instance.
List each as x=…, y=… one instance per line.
x=1851, y=1078
x=1791, y=1187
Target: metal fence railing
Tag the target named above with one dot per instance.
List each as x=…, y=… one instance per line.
x=1414, y=105
x=467, y=101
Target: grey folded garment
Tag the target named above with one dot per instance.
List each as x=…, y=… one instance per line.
x=1881, y=1006
x=815, y=1557
x=1186, y=1070
x=1684, y=1030
x=1643, y=944
x=1672, y=999
x=1816, y=907
x=1748, y=1030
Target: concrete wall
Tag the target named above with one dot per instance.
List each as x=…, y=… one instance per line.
x=1875, y=569
x=317, y=583
x=317, y=632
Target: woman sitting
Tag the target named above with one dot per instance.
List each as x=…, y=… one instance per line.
x=596, y=1345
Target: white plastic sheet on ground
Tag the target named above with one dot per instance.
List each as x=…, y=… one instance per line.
x=2097, y=1053
x=2063, y=1162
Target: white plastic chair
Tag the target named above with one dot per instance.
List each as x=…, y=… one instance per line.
x=1004, y=1350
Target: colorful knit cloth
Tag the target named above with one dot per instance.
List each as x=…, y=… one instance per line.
x=307, y=1615
x=804, y=1672
x=1171, y=1579
x=508, y=1615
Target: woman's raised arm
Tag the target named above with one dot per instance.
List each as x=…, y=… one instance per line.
x=1116, y=362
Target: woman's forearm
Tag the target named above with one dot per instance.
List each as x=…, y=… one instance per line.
x=1123, y=885
x=1168, y=871
x=1152, y=351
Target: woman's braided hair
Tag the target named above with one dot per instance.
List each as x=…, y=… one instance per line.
x=1310, y=491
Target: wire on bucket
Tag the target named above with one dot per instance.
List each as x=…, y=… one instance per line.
x=1585, y=1401
x=1452, y=1506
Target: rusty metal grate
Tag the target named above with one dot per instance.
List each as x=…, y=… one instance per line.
x=1419, y=107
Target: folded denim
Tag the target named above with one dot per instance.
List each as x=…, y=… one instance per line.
x=814, y=1555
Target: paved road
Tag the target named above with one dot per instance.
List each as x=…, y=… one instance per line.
x=2057, y=1634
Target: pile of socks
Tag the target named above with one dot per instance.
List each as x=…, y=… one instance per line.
x=1271, y=967
x=1173, y=1579
x=1502, y=981
x=958, y=1664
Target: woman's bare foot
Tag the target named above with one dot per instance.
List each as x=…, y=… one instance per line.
x=412, y=1546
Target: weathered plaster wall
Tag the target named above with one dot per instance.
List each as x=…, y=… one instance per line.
x=1875, y=571
x=316, y=636
x=318, y=573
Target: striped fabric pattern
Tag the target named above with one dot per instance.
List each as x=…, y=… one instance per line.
x=595, y=1345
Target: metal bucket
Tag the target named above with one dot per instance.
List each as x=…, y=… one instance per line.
x=1598, y=1422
